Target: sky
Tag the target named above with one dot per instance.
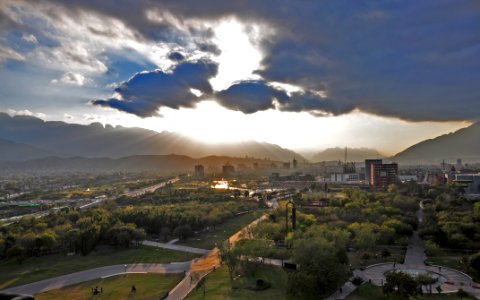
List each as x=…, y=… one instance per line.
x=301, y=74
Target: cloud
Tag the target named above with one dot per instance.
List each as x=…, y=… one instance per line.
x=72, y=78
x=30, y=38
x=26, y=112
x=8, y=53
x=176, y=56
x=145, y=92
x=250, y=96
x=415, y=61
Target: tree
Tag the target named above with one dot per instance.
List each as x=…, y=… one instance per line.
x=230, y=258
x=475, y=262
x=425, y=279
x=386, y=253
x=165, y=233
x=321, y=270
x=461, y=293
x=402, y=284
x=17, y=252
x=183, y=232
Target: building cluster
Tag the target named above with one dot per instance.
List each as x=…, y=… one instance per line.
x=375, y=173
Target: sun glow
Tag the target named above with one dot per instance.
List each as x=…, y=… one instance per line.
x=239, y=57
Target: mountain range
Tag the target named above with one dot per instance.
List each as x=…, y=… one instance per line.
x=136, y=163
x=30, y=134
x=463, y=143
x=49, y=143
x=353, y=154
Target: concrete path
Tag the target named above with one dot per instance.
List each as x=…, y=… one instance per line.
x=176, y=247
x=343, y=293
x=415, y=255
x=92, y=274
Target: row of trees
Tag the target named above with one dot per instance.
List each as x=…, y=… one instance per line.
x=81, y=231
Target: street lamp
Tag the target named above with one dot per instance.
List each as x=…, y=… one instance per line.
x=294, y=215
x=125, y=268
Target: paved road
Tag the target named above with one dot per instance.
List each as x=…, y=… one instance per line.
x=176, y=247
x=92, y=274
x=150, y=189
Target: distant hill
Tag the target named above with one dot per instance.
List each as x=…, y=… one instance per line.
x=11, y=151
x=94, y=140
x=463, y=143
x=353, y=154
x=137, y=163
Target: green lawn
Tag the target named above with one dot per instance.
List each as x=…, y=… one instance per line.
x=38, y=268
x=356, y=260
x=218, y=286
x=371, y=292
x=452, y=259
x=149, y=286
x=207, y=240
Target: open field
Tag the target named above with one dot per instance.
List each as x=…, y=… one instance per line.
x=370, y=292
x=453, y=259
x=356, y=260
x=218, y=285
x=38, y=268
x=148, y=286
x=208, y=240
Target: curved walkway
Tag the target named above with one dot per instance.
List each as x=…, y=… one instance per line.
x=172, y=246
x=92, y=274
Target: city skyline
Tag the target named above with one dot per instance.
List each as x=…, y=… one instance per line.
x=312, y=75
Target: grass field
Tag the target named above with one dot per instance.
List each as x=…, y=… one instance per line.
x=149, y=286
x=355, y=258
x=453, y=259
x=207, y=240
x=38, y=268
x=370, y=292
x=218, y=286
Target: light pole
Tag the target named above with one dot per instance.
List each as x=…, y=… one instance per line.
x=125, y=269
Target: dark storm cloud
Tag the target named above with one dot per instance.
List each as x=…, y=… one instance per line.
x=250, y=96
x=416, y=60
x=176, y=56
x=145, y=92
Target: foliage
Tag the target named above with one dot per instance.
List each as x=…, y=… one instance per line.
x=402, y=284
x=475, y=262
x=321, y=270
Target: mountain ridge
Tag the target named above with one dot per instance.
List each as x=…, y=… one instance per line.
x=463, y=143
x=95, y=140
x=134, y=163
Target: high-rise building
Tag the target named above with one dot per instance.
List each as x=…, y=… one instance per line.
x=368, y=164
x=199, y=171
x=228, y=170
x=294, y=163
x=382, y=175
